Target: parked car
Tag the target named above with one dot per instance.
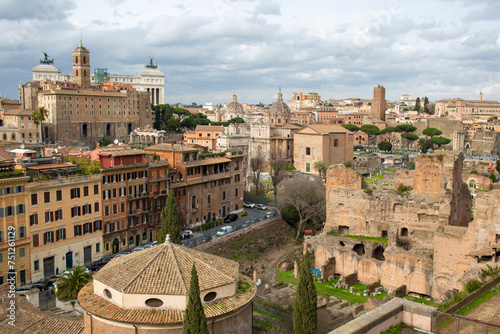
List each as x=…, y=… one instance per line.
x=42, y=286
x=248, y=205
x=148, y=246
x=272, y=213
x=231, y=218
x=224, y=230
x=261, y=207
x=186, y=234
x=23, y=289
x=137, y=249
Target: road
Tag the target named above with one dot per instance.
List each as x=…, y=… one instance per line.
x=242, y=222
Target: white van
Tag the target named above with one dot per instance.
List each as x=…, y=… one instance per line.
x=224, y=230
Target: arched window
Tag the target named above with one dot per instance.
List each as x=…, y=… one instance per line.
x=193, y=203
x=131, y=240
x=209, y=199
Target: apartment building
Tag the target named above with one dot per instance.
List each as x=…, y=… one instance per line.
x=65, y=224
x=14, y=235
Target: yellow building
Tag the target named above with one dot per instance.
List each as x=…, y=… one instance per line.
x=14, y=237
x=65, y=224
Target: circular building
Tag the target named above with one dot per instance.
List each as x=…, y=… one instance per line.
x=147, y=292
x=280, y=112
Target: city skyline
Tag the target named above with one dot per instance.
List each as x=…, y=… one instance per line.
x=210, y=50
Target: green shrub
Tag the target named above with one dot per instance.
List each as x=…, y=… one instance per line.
x=348, y=164
x=244, y=213
x=402, y=189
x=489, y=271
x=472, y=285
x=474, y=172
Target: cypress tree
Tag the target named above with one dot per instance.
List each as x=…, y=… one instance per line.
x=305, y=310
x=169, y=221
x=194, y=316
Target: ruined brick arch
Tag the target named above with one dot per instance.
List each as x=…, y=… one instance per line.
x=359, y=249
x=378, y=253
x=441, y=286
x=391, y=275
x=345, y=263
x=417, y=282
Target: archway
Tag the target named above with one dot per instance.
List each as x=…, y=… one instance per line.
x=129, y=128
x=137, y=240
x=84, y=130
x=108, y=130
x=69, y=260
x=359, y=249
x=116, y=246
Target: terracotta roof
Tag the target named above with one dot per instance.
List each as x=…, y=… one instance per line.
x=207, y=161
x=18, y=112
x=209, y=128
x=171, y=148
x=105, y=309
x=30, y=320
x=119, y=150
x=166, y=270
x=327, y=128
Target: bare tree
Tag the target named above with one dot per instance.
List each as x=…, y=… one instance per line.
x=307, y=197
x=256, y=166
x=279, y=167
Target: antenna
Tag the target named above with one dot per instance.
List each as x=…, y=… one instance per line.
x=116, y=142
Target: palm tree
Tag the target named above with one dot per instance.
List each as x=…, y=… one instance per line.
x=38, y=117
x=68, y=285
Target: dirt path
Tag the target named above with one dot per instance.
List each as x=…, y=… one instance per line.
x=488, y=312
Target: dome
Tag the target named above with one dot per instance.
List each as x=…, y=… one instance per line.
x=235, y=106
x=152, y=287
x=280, y=112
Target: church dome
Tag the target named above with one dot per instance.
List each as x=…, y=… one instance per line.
x=235, y=106
x=280, y=112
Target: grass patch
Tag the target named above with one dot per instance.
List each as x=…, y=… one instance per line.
x=421, y=300
x=236, y=257
x=262, y=324
x=394, y=329
x=326, y=288
x=384, y=240
x=333, y=233
x=267, y=314
x=268, y=303
x=484, y=298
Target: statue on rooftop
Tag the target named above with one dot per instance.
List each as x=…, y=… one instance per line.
x=46, y=59
x=151, y=64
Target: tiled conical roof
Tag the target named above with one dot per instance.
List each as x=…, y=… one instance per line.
x=166, y=270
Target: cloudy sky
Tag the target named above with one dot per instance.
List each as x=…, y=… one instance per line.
x=208, y=49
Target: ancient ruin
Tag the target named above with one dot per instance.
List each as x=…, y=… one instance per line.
x=424, y=233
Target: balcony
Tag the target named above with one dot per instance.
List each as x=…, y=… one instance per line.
x=139, y=195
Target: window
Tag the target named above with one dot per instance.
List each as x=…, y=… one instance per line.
x=48, y=237
x=308, y=151
x=97, y=225
x=35, y=240
x=9, y=190
x=308, y=167
x=75, y=193
x=21, y=252
x=77, y=230
x=87, y=209
x=61, y=234
x=131, y=240
x=122, y=207
x=76, y=211
x=36, y=265
x=1, y=236
x=236, y=192
x=96, y=207
x=34, y=219
x=97, y=247
x=96, y=189
x=223, y=195
x=115, y=209
x=85, y=191
x=49, y=216
x=59, y=195
x=335, y=142
x=34, y=199
x=22, y=232
x=58, y=214
x=46, y=197
x=87, y=228
x=115, y=226
x=19, y=189
x=106, y=210
x=107, y=227
x=20, y=209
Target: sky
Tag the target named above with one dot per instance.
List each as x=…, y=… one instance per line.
x=210, y=49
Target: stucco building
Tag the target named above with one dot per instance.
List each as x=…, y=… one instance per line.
x=204, y=135
x=205, y=188
x=14, y=234
x=331, y=144
x=65, y=224
x=132, y=295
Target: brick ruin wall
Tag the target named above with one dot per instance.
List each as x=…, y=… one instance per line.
x=429, y=229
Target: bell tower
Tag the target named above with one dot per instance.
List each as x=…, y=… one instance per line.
x=81, y=66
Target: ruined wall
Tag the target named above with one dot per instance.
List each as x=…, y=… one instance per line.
x=404, y=177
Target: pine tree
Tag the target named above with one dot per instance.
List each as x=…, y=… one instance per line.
x=305, y=310
x=194, y=316
x=169, y=221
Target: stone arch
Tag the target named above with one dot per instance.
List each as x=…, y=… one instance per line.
x=417, y=282
x=359, y=249
x=368, y=271
x=378, y=253
x=345, y=263
x=441, y=287
x=84, y=130
x=404, y=232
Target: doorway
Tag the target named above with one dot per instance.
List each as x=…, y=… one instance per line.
x=69, y=260
x=48, y=267
x=116, y=246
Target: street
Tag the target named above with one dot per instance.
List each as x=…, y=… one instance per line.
x=254, y=216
